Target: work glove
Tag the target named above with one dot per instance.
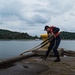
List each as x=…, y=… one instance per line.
x=51, y=37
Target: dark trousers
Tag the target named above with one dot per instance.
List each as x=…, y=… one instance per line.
x=54, y=44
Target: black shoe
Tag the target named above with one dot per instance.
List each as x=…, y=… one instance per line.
x=57, y=60
x=43, y=57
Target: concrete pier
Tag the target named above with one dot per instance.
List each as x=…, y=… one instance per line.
x=42, y=51
x=31, y=64
x=16, y=58
x=34, y=53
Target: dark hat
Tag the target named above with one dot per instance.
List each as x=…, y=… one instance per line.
x=46, y=28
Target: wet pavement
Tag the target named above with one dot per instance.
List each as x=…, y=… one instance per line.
x=24, y=69
x=38, y=66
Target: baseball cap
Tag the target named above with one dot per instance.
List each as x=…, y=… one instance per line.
x=45, y=28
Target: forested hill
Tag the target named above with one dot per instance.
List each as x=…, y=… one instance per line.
x=6, y=34
x=67, y=35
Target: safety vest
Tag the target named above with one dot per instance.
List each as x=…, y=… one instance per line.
x=51, y=31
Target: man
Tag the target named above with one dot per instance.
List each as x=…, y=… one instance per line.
x=54, y=44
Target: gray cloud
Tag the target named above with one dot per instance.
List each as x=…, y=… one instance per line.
x=23, y=15
x=36, y=19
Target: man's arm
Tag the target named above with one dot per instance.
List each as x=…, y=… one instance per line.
x=55, y=30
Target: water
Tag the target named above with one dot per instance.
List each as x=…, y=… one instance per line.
x=13, y=48
x=68, y=44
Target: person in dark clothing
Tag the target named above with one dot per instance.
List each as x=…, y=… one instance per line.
x=54, y=44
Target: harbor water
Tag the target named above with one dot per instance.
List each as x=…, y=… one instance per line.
x=10, y=48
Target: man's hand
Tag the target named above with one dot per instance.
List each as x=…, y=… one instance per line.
x=51, y=34
x=51, y=37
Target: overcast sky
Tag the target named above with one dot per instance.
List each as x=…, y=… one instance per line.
x=32, y=15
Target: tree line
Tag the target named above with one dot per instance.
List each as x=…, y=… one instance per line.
x=6, y=34
x=67, y=35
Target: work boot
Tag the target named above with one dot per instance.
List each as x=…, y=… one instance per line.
x=57, y=60
x=43, y=57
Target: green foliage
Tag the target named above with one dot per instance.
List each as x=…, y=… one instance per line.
x=67, y=35
x=6, y=34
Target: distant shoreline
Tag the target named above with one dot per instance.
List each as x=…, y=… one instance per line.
x=19, y=39
x=32, y=39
